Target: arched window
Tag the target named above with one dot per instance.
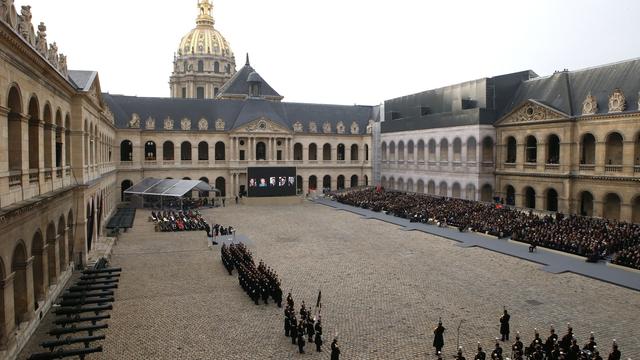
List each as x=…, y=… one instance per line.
x=472, y=149
x=456, y=190
x=401, y=150
x=531, y=150
x=150, y=151
x=326, y=152
x=512, y=147
x=59, y=139
x=326, y=182
x=383, y=151
x=15, y=133
x=167, y=150
x=220, y=151
x=635, y=210
x=529, y=197
x=297, y=152
x=552, y=200
x=354, y=181
x=185, y=151
x=313, y=152
x=340, y=184
x=299, y=184
x=614, y=149
x=392, y=183
x=67, y=140
x=227, y=68
x=636, y=151
x=20, y=297
x=203, y=151
x=553, y=150
x=612, y=207
x=471, y=192
x=221, y=186
x=366, y=180
x=354, y=152
x=34, y=134
x=216, y=67
x=47, y=136
x=420, y=151
x=511, y=195
x=340, y=152
x=126, y=184
x=366, y=152
x=420, y=188
x=431, y=187
x=443, y=189
x=586, y=203
x=457, y=151
x=392, y=152
x=487, y=150
x=444, y=150
x=383, y=182
x=200, y=66
x=313, y=183
x=486, y=193
x=261, y=151
x=126, y=151
x=400, y=185
x=588, y=150
x=205, y=194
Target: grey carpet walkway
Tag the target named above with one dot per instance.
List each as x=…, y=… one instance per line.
x=552, y=261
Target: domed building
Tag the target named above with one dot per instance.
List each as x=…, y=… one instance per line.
x=204, y=61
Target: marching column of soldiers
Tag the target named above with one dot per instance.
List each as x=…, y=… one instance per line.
x=308, y=328
x=258, y=282
x=553, y=348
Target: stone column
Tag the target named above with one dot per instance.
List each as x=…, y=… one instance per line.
x=194, y=154
x=600, y=161
x=628, y=149
x=625, y=211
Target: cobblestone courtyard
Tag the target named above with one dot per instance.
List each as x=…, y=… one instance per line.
x=383, y=291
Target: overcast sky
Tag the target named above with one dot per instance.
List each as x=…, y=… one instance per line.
x=344, y=51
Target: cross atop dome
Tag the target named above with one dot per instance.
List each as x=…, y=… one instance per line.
x=206, y=13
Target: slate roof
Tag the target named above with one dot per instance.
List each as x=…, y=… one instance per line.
x=475, y=102
x=567, y=90
x=236, y=113
x=238, y=84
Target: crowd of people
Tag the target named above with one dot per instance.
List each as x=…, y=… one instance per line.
x=259, y=282
x=594, y=238
x=551, y=348
x=179, y=221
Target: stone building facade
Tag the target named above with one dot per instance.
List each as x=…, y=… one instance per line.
x=57, y=172
x=442, y=141
x=570, y=142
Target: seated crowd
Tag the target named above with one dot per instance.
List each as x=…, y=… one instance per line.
x=586, y=236
x=179, y=221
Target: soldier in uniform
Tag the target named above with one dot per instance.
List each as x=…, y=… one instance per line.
x=615, y=353
x=480, y=355
x=518, y=347
x=287, y=325
x=504, y=325
x=537, y=341
x=591, y=345
x=496, y=354
x=318, y=327
x=574, y=350
x=551, y=341
x=318, y=342
x=438, y=337
x=459, y=355
x=310, y=330
x=565, y=343
x=293, y=332
x=335, y=350
x=301, y=342
x=290, y=301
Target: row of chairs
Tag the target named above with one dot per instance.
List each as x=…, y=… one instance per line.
x=92, y=294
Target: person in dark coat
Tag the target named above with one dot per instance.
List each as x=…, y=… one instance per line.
x=318, y=341
x=565, y=343
x=293, y=333
x=591, y=345
x=287, y=325
x=496, y=354
x=480, y=355
x=551, y=341
x=615, y=353
x=504, y=325
x=310, y=330
x=335, y=350
x=301, y=343
x=438, y=337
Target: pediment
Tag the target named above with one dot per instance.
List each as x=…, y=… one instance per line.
x=263, y=125
x=94, y=93
x=532, y=111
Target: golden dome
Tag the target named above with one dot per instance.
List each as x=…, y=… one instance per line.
x=204, y=39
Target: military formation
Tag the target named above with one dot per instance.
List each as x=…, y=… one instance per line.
x=551, y=348
x=259, y=282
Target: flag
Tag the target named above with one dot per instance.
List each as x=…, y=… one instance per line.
x=319, y=297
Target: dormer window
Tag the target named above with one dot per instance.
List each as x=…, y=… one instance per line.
x=254, y=89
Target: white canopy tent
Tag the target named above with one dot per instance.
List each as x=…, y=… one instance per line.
x=167, y=188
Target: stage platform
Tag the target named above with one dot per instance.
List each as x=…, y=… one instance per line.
x=274, y=200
